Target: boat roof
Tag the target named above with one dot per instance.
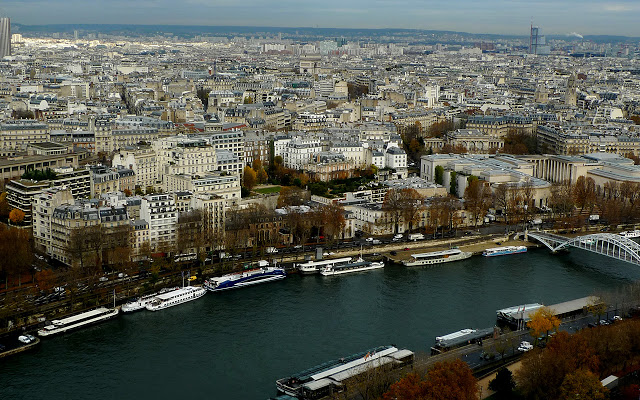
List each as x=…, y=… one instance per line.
x=437, y=253
x=504, y=248
x=464, y=338
x=79, y=317
x=324, y=262
x=356, y=264
x=313, y=372
x=174, y=293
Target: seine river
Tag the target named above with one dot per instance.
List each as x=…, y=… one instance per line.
x=234, y=345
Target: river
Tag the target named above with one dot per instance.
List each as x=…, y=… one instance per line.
x=235, y=344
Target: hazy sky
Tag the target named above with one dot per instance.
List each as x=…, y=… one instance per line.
x=619, y=17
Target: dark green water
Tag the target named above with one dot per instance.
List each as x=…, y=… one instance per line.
x=234, y=345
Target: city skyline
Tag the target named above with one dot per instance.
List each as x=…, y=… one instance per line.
x=589, y=17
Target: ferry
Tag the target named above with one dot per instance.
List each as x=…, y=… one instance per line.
x=357, y=266
x=502, y=251
x=631, y=234
x=175, y=297
x=141, y=302
x=78, y=321
x=436, y=257
x=331, y=377
x=313, y=267
x=245, y=278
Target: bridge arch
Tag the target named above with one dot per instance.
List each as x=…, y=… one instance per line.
x=607, y=244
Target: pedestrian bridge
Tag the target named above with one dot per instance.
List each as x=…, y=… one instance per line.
x=606, y=244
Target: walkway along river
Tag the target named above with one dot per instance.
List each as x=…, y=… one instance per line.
x=235, y=344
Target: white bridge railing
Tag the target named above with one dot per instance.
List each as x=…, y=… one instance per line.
x=607, y=244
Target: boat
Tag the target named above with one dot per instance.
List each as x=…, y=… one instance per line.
x=314, y=267
x=331, y=377
x=245, y=278
x=78, y=321
x=505, y=250
x=175, y=297
x=436, y=257
x=630, y=234
x=358, y=266
x=141, y=302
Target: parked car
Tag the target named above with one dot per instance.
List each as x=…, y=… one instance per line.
x=525, y=346
x=369, y=239
x=271, y=250
x=103, y=279
x=26, y=339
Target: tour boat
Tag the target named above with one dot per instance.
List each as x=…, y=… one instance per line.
x=436, y=257
x=313, y=267
x=357, y=266
x=175, y=297
x=78, y=321
x=141, y=302
x=630, y=234
x=502, y=251
x=245, y=278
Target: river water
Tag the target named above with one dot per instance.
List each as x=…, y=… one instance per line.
x=235, y=344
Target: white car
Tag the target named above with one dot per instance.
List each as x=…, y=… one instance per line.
x=369, y=239
x=26, y=339
x=103, y=279
x=525, y=346
x=397, y=237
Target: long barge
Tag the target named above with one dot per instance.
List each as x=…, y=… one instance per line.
x=331, y=377
x=77, y=321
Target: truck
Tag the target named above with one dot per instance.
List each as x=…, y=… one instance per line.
x=416, y=236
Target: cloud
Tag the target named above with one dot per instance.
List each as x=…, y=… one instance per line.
x=619, y=7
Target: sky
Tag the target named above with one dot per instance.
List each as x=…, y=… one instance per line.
x=586, y=17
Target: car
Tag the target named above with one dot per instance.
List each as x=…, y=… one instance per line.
x=525, y=346
x=375, y=254
x=122, y=275
x=297, y=246
x=369, y=239
x=393, y=252
x=617, y=318
x=271, y=250
x=2, y=347
x=406, y=249
x=397, y=236
x=604, y=322
x=103, y=279
x=26, y=339
x=325, y=254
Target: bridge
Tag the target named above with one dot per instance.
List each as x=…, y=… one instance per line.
x=606, y=244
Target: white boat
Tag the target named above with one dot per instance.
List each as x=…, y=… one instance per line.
x=175, y=297
x=78, y=321
x=436, y=257
x=141, y=302
x=357, y=266
x=245, y=278
x=313, y=267
x=503, y=251
x=630, y=234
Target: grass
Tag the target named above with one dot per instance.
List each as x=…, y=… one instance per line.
x=268, y=190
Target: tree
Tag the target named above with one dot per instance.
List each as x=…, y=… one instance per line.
x=501, y=198
x=453, y=183
x=583, y=384
x=542, y=321
x=439, y=174
x=451, y=380
x=262, y=176
x=16, y=216
x=249, y=178
x=45, y=279
x=333, y=221
x=477, y=198
x=503, y=384
x=562, y=198
x=542, y=372
x=584, y=192
x=292, y=196
x=402, y=205
x=5, y=209
x=597, y=307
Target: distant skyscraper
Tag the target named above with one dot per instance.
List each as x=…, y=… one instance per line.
x=5, y=37
x=537, y=42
